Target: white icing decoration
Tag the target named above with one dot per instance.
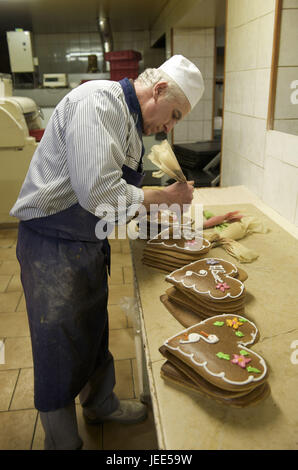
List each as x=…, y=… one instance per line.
x=192, y=338
x=195, y=338
x=188, y=273
x=240, y=344
x=193, y=286
x=200, y=241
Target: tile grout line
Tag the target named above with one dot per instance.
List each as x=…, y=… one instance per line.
x=13, y=392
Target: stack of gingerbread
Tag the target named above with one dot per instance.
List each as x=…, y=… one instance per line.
x=155, y=222
x=212, y=359
x=205, y=288
x=174, y=248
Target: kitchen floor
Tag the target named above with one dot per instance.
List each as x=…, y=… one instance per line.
x=20, y=426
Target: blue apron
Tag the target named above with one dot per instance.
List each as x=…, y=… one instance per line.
x=64, y=277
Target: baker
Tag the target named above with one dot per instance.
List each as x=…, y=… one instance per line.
x=90, y=156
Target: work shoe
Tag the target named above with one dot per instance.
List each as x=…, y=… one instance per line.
x=129, y=412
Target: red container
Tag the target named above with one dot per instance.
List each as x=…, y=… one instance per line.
x=37, y=133
x=123, y=64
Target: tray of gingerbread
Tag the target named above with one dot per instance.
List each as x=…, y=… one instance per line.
x=174, y=248
x=205, y=288
x=213, y=358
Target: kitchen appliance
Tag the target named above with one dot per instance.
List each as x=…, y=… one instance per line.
x=18, y=117
x=55, y=80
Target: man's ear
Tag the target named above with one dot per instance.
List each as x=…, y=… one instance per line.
x=159, y=89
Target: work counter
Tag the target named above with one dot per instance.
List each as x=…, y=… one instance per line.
x=185, y=420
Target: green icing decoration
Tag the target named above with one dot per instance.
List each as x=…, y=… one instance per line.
x=207, y=214
x=253, y=369
x=219, y=323
x=243, y=320
x=219, y=228
x=238, y=333
x=244, y=353
x=222, y=355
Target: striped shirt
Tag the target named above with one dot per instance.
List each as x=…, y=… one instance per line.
x=89, y=137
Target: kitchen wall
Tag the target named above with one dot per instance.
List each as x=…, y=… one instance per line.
x=198, y=45
x=68, y=52
x=286, y=103
x=266, y=162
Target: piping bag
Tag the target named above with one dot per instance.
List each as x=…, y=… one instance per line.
x=232, y=227
x=163, y=157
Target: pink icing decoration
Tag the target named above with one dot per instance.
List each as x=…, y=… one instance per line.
x=240, y=360
x=222, y=286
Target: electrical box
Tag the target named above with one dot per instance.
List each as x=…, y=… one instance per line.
x=20, y=51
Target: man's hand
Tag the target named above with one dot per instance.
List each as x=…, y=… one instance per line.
x=180, y=193
x=176, y=193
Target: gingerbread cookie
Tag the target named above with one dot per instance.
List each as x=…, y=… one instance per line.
x=206, y=287
x=167, y=252
x=213, y=278
x=155, y=222
x=182, y=240
x=217, y=350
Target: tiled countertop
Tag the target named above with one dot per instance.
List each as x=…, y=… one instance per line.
x=187, y=421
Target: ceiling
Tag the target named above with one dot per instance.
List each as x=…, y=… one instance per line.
x=62, y=16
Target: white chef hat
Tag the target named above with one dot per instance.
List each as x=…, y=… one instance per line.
x=187, y=76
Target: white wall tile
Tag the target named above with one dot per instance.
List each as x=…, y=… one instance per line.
x=288, y=38
x=181, y=132
x=207, y=130
x=284, y=107
x=253, y=139
x=195, y=131
x=262, y=93
x=280, y=187
x=265, y=40
x=247, y=90
x=290, y=4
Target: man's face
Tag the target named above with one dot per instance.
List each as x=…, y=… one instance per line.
x=161, y=114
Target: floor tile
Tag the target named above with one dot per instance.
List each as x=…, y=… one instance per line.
x=116, y=275
x=22, y=304
x=19, y=427
x=128, y=274
x=7, y=242
x=9, y=301
x=8, y=381
x=14, y=324
x=122, y=344
x=125, y=247
x=139, y=436
x=115, y=246
x=8, y=253
x=135, y=376
x=9, y=267
x=23, y=397
x=124, y=380
x=18, y=353
x=8, y=233
x=4, y=281
x=15, y=284
x=118, y=292
x=117, y=317
x=121, y=258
